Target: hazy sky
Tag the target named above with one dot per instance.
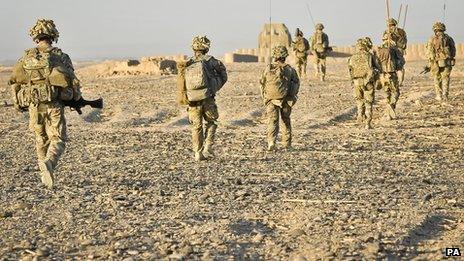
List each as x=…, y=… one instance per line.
x=121, y=28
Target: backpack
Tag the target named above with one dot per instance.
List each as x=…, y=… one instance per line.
x=361, y=65
x=318, y=43
x=277, y=84
x=197, y=81
x=302, y=45
x=46, y=76
x=444, y=49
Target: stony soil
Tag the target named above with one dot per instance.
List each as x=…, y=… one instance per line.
x=128, y=188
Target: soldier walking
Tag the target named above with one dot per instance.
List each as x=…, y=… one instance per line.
x=441, y=52
x=399, y=39
x=319, y=45
x=363, y=69
x=390, y=60
x=41, y=80
x=279, y=88
x=301, y=49
x=201, y=78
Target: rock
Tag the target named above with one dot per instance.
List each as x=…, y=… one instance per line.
x=6, y=214
x=176, y=256
x=258, y=238
x=297, y=232
x=427, y=197
x=133, y=252
x=372, y=249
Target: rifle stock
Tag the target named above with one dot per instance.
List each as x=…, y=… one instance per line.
x=79, y=104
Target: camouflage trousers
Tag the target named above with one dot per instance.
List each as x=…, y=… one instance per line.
x=301, y=63
x=441, y=77
x=391, y=87
x=49, y=126
x=364, y=95
x=273, y=113
x=320, y=66
x=197, y=111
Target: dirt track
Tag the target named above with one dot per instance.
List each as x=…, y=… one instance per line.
x=128, y=187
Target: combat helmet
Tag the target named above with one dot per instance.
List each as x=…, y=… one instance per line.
x=319, y=26
x=279, y=52
x=44, y=27
x=361, y=44
x=201, y=43
x=392, y=21
x=439, y=26
x=368, y=42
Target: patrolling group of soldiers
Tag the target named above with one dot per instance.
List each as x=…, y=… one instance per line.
x=43, y=82
x=383, y=68
x=318, y=46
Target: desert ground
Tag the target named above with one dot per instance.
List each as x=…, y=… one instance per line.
x=129, y=189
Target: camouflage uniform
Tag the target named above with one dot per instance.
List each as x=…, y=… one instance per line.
x=40, y=88
x=363, y=67
x=319, y=47
x=204, y=107
x=400, y=40
x=301, y=49
x=279, y=88
x=390, y=60
x=441, y=52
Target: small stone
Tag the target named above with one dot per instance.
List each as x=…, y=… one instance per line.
x=133, y=252
x=258, y=238
x=427, y=197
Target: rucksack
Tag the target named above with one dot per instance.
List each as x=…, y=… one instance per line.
x=361, y=65
x=302, y=45
x=443, y=47
x=46, y=77
x=277, y=84
x=197, y=81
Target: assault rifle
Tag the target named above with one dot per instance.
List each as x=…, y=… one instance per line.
x=426, y=70
x=79, y=104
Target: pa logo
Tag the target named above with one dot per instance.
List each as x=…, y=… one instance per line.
x=452, y=251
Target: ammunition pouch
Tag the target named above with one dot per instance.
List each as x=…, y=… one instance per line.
x=36, y=94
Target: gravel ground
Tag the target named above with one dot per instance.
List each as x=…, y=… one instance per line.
x=128, y=188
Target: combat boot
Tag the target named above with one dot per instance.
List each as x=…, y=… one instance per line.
x=46, y=173
x=208, y=150
x=199, y=156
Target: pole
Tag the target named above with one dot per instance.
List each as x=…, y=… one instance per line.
x=444, y=12
x=405, y=16
x=270, y=33
x=310, y=14
x=399, y=15
x=387, y=4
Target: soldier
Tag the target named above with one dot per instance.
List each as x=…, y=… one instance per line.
x=400, y=40
x=441, y=52
x=201, y=78
x=301, y=49
x=319, y=48
x=41, y=80
x=390, y=60
x=363, y=67
x=279, y=89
